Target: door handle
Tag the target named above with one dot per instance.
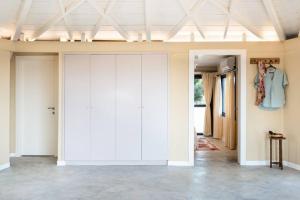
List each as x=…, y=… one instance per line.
x=51, y=108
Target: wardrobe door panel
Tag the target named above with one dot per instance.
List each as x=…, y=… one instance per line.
x=76, y=107
x=128, y=138
x=154, y=102
x=103, y=100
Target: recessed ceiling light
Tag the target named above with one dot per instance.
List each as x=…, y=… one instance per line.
x=63, y=39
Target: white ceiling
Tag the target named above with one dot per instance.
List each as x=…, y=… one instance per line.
x=208, y=60
x=137, y=20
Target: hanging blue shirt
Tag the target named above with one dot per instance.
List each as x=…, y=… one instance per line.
x=275, y=82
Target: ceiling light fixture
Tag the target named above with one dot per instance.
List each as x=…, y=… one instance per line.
x=63, y=39
x=83, y=37
x=22, y=37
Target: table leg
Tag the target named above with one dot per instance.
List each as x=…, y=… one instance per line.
x=280, y=154
x=270, y=153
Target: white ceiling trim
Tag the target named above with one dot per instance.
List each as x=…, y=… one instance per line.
x=73, y=5
x=238, y=18
x=100, y=20
x=269, y=6
x=147, y=21
x=189, y=14
x=62, y=9
x=24, y=10
x=106, y=15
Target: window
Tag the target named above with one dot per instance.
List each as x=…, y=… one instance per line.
x=223, y=88
x=199, y=92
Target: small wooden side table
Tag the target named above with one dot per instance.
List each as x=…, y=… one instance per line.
x=279, y=138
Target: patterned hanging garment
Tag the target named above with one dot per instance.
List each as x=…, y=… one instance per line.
x=260, y=93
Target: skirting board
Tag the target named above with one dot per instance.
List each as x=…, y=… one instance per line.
x=4, y=166
x=103, y=163
x=266, y=162
x=256, y=163
x=14, y=155
x=180, y=163
x=291, y=165
x=61, y=163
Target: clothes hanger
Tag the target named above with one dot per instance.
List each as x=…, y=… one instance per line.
x=271, y=66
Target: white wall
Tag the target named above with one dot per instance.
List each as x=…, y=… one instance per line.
x=258, y=121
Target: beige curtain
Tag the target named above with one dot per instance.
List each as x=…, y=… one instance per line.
x=229, y=122
x=217, y=131
x=208, y=81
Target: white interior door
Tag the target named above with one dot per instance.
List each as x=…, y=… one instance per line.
x=128, y=113
x=103, y=102
x=36, y=99
x=77, y=107
x=154, y=103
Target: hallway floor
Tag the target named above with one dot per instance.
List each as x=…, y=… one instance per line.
x=38, y=178
x=223, y=154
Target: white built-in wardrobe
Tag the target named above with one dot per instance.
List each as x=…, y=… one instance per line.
x=116, y=108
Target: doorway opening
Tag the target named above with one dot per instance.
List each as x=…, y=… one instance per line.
x=36, y=99
x=217, y=105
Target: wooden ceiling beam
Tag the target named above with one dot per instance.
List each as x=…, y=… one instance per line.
x=72, y=6
x=24, y=10
x=62, y=9
x=147, y=21
x=227, y=20
x=107, y=16
x=238, y=18
x=270, y=8
x=177, y=27
x=189, y=14
x=100, y=20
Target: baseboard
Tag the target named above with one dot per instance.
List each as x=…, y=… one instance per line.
x=267, y=162
x=14, y=155
x=256, y=162
x=4, y=166
x=180, y=163
x=291, y=165
x=103, y=163
x=61, y=163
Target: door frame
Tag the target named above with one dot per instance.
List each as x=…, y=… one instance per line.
x=61, y=101
x=19, y=134
x=242, y=91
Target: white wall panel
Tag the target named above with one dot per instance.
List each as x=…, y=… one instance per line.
x=128, y=143
x=154, y=103
x=77, y=107
x=103, y=101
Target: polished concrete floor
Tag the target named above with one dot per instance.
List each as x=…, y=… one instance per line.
x=215, y=176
